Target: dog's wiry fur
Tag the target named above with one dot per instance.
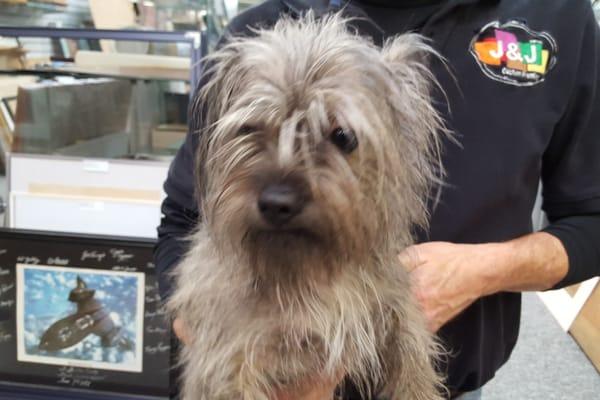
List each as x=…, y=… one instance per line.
x=272, y=307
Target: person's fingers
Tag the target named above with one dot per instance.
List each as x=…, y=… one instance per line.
x=409, y=258
x=328, y=383
x=180, y=330
x=319, y=388
x=338, y=377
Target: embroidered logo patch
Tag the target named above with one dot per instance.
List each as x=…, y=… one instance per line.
x=514, y=54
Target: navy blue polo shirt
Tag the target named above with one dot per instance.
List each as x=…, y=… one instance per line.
x=522, y=95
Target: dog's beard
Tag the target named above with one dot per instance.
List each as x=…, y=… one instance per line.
x=334, y=231
x=300, y=254
x=288, y=257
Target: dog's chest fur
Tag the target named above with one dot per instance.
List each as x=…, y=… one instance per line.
x=286, y=333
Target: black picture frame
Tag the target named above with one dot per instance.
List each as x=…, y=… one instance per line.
x=118, y=256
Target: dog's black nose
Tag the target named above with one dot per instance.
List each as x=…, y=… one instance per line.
x=278, y=203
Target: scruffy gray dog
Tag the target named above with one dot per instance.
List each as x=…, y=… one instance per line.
x=315, y=164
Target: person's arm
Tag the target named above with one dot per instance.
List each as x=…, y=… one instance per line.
x=176, y=223
x=179, y=215
x=448, y=277
x=580, y=235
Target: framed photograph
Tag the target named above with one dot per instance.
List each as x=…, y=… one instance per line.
x=80, y=317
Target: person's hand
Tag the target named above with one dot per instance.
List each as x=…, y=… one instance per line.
x=180, y=331
x=319, y=388
x=446, y=277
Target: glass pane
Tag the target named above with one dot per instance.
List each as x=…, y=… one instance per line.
x=119, y=14
x=57, y=13
x=107, y=99
x=105, y=117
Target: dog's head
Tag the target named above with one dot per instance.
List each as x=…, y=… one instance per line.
x=318, y=148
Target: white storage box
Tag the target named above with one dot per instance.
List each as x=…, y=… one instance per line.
x=110, y=197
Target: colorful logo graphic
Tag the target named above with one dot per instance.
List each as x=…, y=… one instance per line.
x=514, y=54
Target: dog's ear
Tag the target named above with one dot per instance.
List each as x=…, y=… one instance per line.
x=217, y=87
x=407, y=57
x=409, y=54
x=402, y=47
x=215, y=93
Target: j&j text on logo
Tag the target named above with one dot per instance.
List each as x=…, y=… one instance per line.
x=514, y=54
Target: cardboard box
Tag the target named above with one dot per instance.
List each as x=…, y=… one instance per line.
x=62, y=3
x=586, y=328
x=12, y=58
x=137, y=65
x=51, y=115
x=168, y=137
x=577, y=310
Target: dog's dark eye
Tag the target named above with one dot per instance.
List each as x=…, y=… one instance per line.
x=344, y=139
x=245, y=130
